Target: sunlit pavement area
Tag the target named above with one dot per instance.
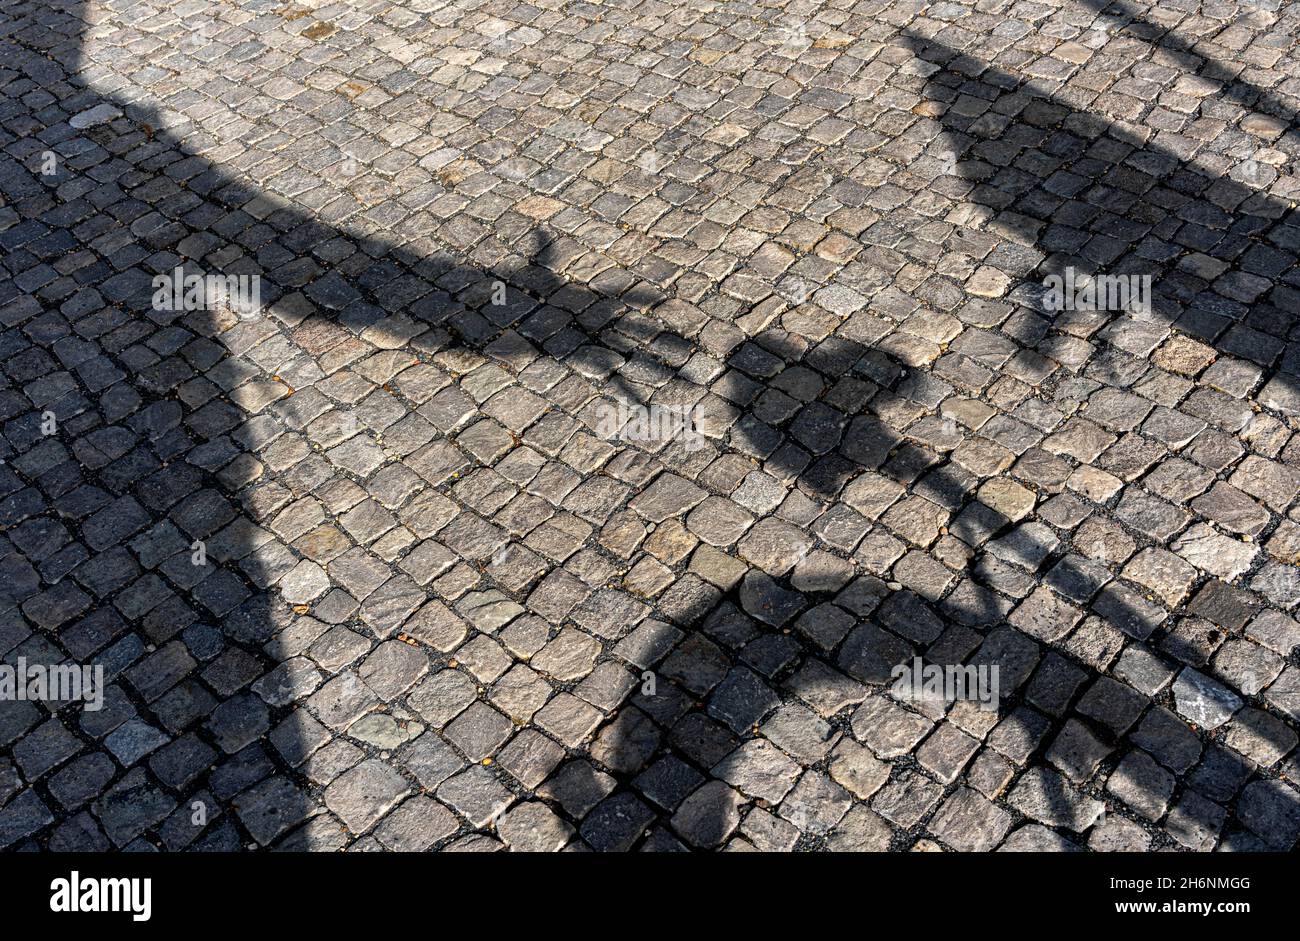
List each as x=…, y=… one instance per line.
x=632, y=392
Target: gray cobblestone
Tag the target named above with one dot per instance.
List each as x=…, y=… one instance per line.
x=393, y=532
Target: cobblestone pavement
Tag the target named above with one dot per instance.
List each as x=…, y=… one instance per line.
x=370, y=568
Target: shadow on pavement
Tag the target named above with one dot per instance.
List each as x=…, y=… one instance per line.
x=484, y=525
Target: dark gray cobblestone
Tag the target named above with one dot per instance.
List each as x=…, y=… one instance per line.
x=370, y=569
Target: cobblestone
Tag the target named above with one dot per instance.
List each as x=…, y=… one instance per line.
x=634, y=389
